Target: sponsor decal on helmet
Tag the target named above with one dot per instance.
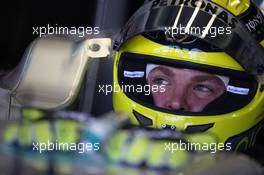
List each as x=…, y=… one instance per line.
x=134, y=74
x=237, y=90
x=206, y=6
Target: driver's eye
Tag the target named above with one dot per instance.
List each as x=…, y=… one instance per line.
x=161, y=81
x=202, y=88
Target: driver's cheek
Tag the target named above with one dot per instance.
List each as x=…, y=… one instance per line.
x=197, y=103
x=161, y=98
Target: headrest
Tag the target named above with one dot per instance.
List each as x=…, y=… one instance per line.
x=50, y=73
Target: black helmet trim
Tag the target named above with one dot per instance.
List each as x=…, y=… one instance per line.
x=239, y=43
x=228, y=102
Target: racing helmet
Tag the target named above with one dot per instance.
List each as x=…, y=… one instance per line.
x=165, y=35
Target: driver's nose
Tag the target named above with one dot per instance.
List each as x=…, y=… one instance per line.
x=177, y=102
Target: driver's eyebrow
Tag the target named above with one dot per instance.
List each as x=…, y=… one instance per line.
x=202, y=78
x=164, y=70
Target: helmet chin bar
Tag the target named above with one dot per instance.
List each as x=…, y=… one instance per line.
x=239, y=43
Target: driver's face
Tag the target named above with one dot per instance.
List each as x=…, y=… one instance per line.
x=185, y=89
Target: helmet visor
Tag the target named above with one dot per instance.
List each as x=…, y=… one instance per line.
x=175, y=86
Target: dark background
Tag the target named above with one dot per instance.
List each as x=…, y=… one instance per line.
x=18, y=18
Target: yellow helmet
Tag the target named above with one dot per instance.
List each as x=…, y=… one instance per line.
x=235, y=56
